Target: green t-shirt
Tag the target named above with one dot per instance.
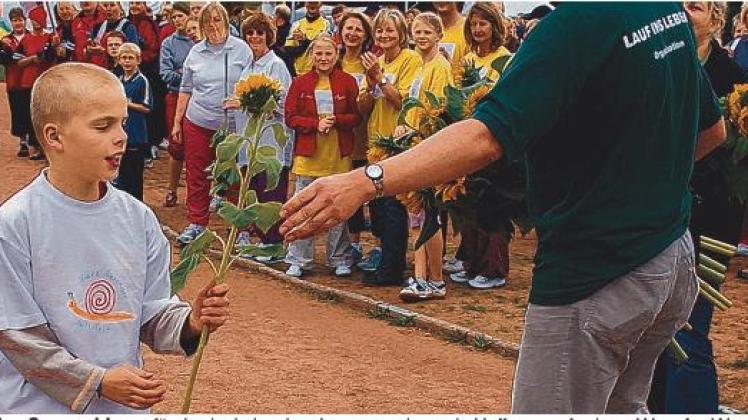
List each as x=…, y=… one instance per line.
x=605, y=100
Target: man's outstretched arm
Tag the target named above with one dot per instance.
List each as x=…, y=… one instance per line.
x=455, y=151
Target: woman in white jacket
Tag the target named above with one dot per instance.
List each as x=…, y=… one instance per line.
x=260, y=32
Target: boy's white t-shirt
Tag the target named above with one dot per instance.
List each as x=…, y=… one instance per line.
x=94, y=271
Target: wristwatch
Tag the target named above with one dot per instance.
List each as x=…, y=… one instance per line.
x=376, y=174
x=383, y=82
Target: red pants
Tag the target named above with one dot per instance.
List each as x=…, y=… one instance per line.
x=485, y=253
x=176, y=151
x=198, y=156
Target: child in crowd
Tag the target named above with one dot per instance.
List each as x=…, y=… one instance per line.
x=426, y=31
x=114, y=40
x=18, y=98
x=71, y=326
x=174, y=52
x=139, y=104
x=36, y=55
x=193, y=29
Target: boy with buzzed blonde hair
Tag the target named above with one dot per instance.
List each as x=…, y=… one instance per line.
x=84, y=271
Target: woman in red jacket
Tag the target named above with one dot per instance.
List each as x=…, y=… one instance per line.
x=321, y=108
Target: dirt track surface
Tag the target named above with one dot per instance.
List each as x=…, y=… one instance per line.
x=285, y=352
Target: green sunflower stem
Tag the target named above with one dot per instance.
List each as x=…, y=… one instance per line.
x=222, y=271
x=195, y=367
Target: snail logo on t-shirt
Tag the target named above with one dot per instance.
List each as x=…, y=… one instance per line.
x=98, y=303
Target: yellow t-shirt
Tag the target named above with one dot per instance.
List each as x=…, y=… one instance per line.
x=434, y=77
x=356, y=69
x=484, y=63
x=454, y=41
x=311, y=30
x=401, y=73
x=326, y=159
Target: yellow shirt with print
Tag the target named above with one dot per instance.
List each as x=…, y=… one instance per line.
x=434, y=77
x=400, y=73
x=326, y=159
x=310, y=30
x=454, y=38
x=356, y=69
x=484, y=63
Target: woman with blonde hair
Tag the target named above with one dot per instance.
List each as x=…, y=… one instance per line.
x=211, y=70
x=321, y=108
x=388, y=81
x=356, y=35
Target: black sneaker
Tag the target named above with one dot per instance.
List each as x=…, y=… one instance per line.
x=378, y=279
x=23, y=151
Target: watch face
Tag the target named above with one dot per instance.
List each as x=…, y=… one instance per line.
x=374, y=171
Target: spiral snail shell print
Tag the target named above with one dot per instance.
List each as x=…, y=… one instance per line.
x=98, y=305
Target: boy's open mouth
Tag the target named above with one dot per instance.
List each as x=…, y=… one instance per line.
x=114, y=160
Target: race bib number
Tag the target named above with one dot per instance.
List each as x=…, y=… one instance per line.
x=449, y=47
x=359, y=78
x=323, y=98
x=415, y=88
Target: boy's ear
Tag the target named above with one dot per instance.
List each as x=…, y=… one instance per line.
x=51, y=136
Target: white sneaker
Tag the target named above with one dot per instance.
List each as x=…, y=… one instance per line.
x=342, y=271
x=242, y=240
x=416, y=290
x=461, y=277
x=190, y=233
x=453, y=266
x=215, y=203
x=742, y=250
x=294, y=271
x=438, y=288
x=480, y=282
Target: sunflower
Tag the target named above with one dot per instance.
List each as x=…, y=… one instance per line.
x=451, y=190
x=474, y=97
x=413, y=201
x=742, y=122
x=467, y=74
x=255, y=91
x=376, y=154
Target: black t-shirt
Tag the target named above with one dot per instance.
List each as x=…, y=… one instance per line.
x=605, y=100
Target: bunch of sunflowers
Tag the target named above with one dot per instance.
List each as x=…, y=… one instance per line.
x=497, y=189
x=723, y=172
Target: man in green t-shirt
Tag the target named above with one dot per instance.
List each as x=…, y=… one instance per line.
x=609, y=105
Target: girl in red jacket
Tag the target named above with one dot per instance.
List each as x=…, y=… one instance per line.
x=321, y=108
x=9, y=56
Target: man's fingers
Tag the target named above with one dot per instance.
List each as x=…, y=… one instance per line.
x=322, y=220
x=303, y=216
x=298, y=201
